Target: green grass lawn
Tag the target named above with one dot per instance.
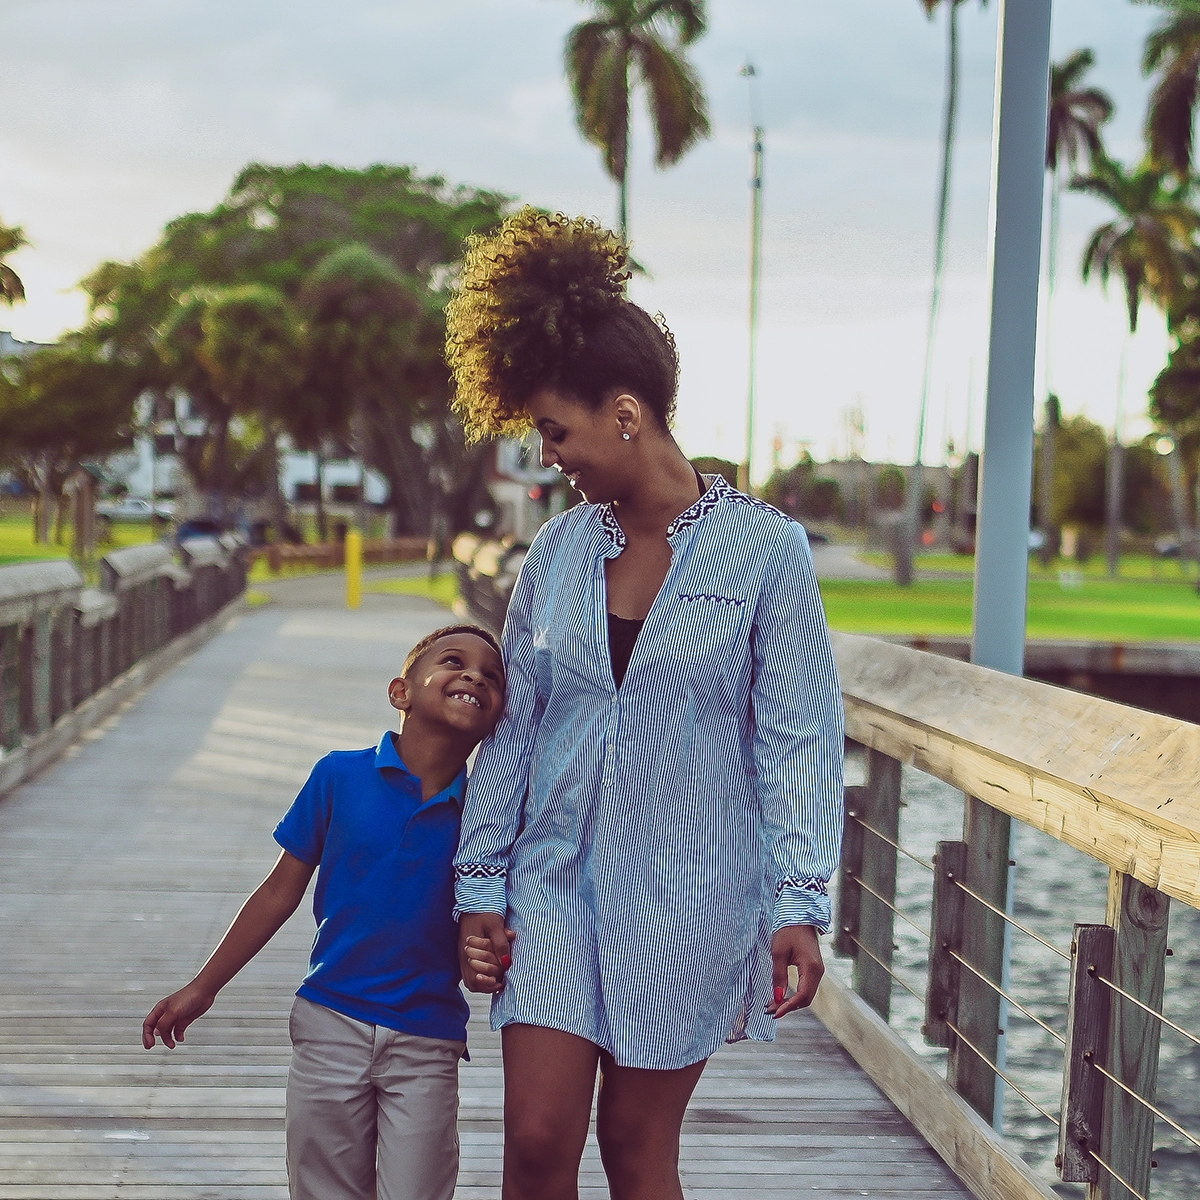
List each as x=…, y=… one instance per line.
x=17, y=545
x=1091, y=610
x=1133, y=566
x=441, y=588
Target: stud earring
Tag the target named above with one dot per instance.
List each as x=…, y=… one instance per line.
x=625, y=436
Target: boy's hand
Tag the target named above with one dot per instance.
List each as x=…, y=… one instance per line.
x=483, y=956
x=795, y=946
x=169, y=1018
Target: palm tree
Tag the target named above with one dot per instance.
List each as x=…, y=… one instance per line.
x=1173, y=52
x=1148, y=246
x=1147, y=241
x=916, y=490
x=12, y=238
x=629, y=41
x=1075, y=116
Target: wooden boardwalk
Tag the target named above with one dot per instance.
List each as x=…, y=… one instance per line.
x=121, y=865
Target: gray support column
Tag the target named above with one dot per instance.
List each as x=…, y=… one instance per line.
x=1006, y=465
x=1019, y=147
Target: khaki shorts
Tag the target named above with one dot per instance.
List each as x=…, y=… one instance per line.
x=370, y=1112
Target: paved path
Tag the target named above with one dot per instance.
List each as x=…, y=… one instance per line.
x=121, y=865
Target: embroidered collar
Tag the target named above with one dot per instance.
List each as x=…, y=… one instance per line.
x=718, y=490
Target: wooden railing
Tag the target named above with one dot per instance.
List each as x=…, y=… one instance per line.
x=281, y=557
x=63, y=644
x=1118, y=784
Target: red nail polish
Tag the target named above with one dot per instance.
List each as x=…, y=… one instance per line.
x=506, y=961
x=779, y=995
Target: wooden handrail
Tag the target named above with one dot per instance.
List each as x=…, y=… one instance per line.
x=1118, y=783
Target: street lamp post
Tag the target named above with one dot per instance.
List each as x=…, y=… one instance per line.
x=756, y=198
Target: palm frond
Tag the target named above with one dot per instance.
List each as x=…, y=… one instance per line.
x=687, y=17
x=586, y=45
x=677, y=106
x=1065, y=76
x=604, y=114
x=11, y=287
x=1170, y=114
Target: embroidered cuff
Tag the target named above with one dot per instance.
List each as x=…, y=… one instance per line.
x=802, y=902
x=478, y=888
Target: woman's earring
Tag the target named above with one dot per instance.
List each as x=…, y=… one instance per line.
x=625, y=436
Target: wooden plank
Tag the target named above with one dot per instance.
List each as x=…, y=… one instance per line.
x=849, y=892
x=880, y=806
x=968, y=1144
x=1139, y=915
x=1088, y=1014
x=945, y=943
x=987, y=834
x=1118, y=783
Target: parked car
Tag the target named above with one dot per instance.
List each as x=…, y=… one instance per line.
x=135, y=508
x=197, y=527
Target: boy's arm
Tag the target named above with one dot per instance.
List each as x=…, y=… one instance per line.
x=269, y=905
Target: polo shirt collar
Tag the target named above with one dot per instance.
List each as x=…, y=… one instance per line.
x=387, y=755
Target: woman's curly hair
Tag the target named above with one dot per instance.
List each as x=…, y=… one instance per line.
x=541, y=304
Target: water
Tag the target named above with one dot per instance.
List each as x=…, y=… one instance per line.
x=1056, y=887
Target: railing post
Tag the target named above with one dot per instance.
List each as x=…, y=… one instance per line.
x=987, y=835
x=880, y=808
x=849, y=908
x=1089, y=1007
x=1139, y=914
x=945, y=942
x=10, y=687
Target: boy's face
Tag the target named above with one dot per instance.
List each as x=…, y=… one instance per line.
x=458, y=682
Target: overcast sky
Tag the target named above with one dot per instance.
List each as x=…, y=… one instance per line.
x=120, y=114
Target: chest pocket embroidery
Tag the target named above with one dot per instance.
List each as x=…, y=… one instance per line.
x=710, y=598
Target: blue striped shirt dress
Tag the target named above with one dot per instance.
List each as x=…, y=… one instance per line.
x=646, y=840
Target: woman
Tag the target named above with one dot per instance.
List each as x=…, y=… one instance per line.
x=659, y=810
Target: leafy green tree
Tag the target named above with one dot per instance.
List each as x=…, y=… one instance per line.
x=11, y=287
x=60, y=406
x=276, y=228
x=626, y=42
x=251, y=346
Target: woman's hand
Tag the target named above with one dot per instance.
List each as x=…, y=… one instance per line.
x=483, y=945
x=795, y=946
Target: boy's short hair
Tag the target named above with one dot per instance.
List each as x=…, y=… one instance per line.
x=415, y=653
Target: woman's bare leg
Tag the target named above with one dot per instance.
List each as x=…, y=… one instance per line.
x=638, y=1119
x=549, y=1078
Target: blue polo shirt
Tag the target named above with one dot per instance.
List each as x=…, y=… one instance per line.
x=386, y=950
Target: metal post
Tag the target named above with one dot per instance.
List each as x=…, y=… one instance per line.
x=756, y=196
x=1002, y=536
x=755, y=278
x=1006, y=467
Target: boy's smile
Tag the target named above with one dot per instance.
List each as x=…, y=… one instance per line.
x=458, y=682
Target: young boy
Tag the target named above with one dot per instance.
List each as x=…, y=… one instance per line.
x=379, y=1024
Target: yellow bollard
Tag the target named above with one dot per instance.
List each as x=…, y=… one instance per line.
x=353, y=568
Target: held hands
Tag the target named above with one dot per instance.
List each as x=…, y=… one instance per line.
x=794, y=946
x=483, y=951
x=169, y=1018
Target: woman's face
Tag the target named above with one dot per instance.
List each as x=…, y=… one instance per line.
x=586, y=445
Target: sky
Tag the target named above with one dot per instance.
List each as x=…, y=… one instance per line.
x=121, y=114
